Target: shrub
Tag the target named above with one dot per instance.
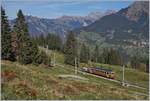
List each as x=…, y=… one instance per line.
x=42, y=58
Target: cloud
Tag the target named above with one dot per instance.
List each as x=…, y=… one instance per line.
x=51, y=1
x=54, y=8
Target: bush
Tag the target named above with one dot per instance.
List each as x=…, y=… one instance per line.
x=142, y=67
x=42, y=58
x=38, y=59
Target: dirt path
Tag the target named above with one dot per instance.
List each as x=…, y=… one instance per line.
x=73, y=77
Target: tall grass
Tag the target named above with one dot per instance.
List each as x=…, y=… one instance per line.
x=39, y=82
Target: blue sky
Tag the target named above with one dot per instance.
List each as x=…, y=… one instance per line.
x=57, y=8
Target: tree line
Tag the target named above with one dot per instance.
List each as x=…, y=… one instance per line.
x=17, y=44
x=50, y=41
x=105, y=55
x=83, y=53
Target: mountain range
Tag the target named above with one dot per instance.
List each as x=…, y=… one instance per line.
x=62, y=25
x=128, y=25
x=131, y=23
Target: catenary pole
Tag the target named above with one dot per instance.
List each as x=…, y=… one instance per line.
x=123, y=75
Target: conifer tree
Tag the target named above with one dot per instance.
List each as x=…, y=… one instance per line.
x=88, y=53
x=6, y=50
x=84, y=54
x=147, y=65
x=26, y=49
x=111, y=56
x=106, y=55
x=115, y=57
x=58, y=43
x=135, y=62
x=41, y=40
x=70, y=49
x=96, y=54
x=54, y=42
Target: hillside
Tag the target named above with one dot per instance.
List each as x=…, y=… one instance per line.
x=127, y=25
x=51, y=83
x=101, y=56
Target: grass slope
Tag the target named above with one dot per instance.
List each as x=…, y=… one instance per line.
x=40, y=82
x=131, y=75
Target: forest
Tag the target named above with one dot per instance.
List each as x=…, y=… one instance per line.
x=18, y=45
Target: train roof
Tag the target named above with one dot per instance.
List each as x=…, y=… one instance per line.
x=103, y=69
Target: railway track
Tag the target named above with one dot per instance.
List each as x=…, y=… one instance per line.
x=117, y=81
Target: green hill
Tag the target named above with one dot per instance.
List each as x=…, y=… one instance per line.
x=41, y=82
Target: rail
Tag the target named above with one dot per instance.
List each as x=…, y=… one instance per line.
x=117, y=81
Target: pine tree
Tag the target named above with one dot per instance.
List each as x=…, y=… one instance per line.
x=6, y=51
x=96, y=54
x=115, y=57
x=40, y=40
x=84, y=54
x=111, y=56
x=147, y=65
x=106, y=56
x=70, y=49
x=26, y=49
x=135, y=62
x=58, y=43
x=14, y=42
x=88, y=53
x=54, y=42
x=101, y=58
